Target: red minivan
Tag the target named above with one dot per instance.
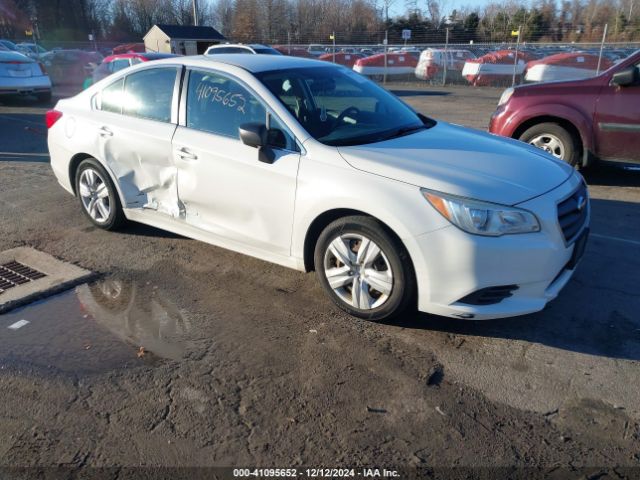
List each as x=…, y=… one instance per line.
x=577, y=121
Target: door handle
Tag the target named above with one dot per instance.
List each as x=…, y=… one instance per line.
x=186, y=154
x=105, y=132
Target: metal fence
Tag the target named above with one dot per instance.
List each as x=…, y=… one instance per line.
x=446, y=65
x=406, y=62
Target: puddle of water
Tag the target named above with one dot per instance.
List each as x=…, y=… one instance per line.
x=94, y=328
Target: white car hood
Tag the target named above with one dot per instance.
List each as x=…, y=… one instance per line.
x=464, y=162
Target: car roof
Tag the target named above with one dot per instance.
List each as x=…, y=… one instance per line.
x=251, y=63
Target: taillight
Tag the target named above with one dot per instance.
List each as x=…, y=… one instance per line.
x=51, y=117
x=44, y=70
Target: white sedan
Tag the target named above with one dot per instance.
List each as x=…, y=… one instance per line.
x=312, y=166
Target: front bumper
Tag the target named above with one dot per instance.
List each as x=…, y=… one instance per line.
x=451, y=264
x=24, y=86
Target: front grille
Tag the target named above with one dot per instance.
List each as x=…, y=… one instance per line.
x=572, y=213
x=15, y=273
x=489, y=295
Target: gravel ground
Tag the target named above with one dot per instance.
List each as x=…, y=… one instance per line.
x=244, y=363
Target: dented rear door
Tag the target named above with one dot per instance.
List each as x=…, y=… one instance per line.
x=135, y=128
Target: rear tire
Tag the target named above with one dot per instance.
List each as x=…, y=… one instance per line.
x=358, y=254
x=98, y=196
x=555, y=140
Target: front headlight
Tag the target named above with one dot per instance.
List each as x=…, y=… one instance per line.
x=482, y=218
x=506, y=95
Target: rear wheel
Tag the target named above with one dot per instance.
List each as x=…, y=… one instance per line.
x=98, y=196
x=555, y=140
x=364, y=269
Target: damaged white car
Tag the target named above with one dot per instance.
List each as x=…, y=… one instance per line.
x=311, y=166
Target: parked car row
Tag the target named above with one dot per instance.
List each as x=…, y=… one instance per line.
x=478, y=66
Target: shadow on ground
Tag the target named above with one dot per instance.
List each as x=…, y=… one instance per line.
x=595, y=314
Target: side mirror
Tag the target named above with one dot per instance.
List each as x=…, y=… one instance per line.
x=626, y=77
x=255, y=135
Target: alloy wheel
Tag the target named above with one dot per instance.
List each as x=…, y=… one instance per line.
x=358, y=271
x=94, y=194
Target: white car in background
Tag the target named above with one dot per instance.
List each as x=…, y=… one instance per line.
x=253, y=48
x=311, y=166
x=21, y=75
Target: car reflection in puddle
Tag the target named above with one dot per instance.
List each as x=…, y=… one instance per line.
x=113, y=323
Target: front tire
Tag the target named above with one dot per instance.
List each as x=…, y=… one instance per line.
x=555, y=140
x=364, y=269
x=98, y=196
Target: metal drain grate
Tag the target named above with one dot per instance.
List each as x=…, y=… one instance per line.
x=15, y=273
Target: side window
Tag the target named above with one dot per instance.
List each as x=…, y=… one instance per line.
x=111, y=97
x=149, y=94
x=135, y=60
x=279, y=137
x=217, y=104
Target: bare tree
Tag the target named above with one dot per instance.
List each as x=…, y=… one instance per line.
x=433, y=9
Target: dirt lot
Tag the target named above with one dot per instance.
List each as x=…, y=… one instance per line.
x=247, y=364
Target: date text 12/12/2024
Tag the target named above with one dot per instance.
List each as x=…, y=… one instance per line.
x=315, y=473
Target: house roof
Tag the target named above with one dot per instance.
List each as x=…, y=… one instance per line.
x=190, y=32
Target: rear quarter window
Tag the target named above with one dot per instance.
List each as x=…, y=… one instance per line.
x=149, y=94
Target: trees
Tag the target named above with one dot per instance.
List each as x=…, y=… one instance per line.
x=312, y=21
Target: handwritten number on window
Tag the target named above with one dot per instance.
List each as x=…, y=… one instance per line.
x=228, y=99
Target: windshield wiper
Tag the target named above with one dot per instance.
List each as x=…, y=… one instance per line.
x=401, y=132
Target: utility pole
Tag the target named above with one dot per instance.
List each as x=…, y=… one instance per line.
x=515, y=60
x=333, y=37
x=36, y=33
x=386, y=43
x=446, y=58
x=195, y=13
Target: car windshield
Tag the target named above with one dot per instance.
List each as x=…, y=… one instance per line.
x=339, y=107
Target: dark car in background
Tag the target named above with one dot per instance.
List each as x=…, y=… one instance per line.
x=115, y=63
x=70, y=67
x=579, y=120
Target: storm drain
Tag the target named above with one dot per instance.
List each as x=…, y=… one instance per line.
x=15, y=273
x=27, y=274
